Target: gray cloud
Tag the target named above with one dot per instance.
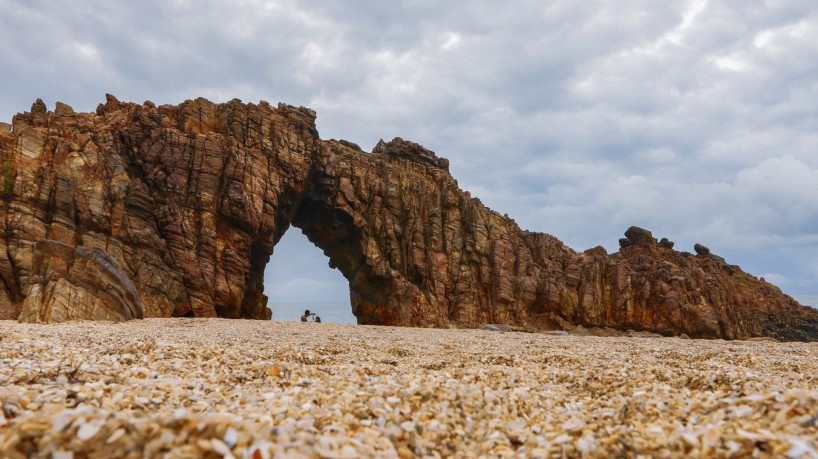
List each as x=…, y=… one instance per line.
x=299, y=272
x=695, y=119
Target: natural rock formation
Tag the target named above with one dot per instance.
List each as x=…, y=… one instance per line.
x=190, y=200
x=639, y=235
x=77, y=283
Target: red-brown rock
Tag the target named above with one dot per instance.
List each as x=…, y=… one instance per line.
x=78, y=283
x=190, y=200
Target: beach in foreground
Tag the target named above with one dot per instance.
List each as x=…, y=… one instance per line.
x=235, y=388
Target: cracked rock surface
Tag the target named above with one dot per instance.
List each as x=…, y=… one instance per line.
x=181, y=207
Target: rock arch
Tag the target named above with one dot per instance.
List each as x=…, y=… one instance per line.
x=184, y=205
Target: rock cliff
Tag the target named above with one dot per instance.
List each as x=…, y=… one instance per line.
x=162, y=211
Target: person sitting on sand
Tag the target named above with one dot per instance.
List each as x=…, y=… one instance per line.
x=306, y=315
x=316, y=319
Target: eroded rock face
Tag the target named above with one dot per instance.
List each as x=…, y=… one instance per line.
x=78, y=283
x=190, y=201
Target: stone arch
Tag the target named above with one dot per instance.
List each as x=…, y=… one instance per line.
x=300, y=276
x=360, y=222
x=333, y=230
x=186, y=203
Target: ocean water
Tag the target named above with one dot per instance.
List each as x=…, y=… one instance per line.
x=337, y=313
x=341, y=312
x=807, y=299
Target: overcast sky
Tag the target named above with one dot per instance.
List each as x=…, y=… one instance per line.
x=695, y=119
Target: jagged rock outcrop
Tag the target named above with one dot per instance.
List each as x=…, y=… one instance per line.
x=639, y=235
x=701, y=250
x=665, y=242
x=190, y=200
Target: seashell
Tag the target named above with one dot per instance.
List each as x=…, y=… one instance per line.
x=87, y=431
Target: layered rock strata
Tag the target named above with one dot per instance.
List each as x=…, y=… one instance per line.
x=187, y=202
x=78, y=283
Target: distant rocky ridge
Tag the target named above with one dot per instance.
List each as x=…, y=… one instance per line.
x=140, y=210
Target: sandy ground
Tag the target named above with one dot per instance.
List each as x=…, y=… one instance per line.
x=231, y=388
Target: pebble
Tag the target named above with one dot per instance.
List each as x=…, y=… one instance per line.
x=87, y=431
x=238, y=388
x=231, y=437
x=219, y=447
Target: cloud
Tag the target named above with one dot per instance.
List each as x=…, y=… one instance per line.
x=303, y=289
x=695, y=119
x=777, y=279
x=299, y=271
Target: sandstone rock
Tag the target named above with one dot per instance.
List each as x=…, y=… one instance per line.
x=639, y=235
x=190, y=200
x=62, y=109
x=701, y=250
x=69, y=283
x=625, y=242
x=410, y=150
x=665, y=242
x=39, y=107
x=352, y=145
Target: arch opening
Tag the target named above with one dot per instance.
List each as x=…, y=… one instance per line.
x=297, y=277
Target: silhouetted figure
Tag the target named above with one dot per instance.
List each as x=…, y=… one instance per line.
x=317, y=319
x=306, y=315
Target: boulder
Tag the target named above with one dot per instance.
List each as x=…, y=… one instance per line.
x=39, y=107
x=701, y=250
x=665, y=242
x=409, y=150
x=62, y=109
x=639, y=235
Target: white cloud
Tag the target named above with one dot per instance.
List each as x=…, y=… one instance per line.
x=452, y=39
x=733, y=63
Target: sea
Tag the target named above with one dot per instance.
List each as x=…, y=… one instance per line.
x=341, y=312
x=337, y=313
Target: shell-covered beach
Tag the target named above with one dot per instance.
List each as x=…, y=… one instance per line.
x=258, y=389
